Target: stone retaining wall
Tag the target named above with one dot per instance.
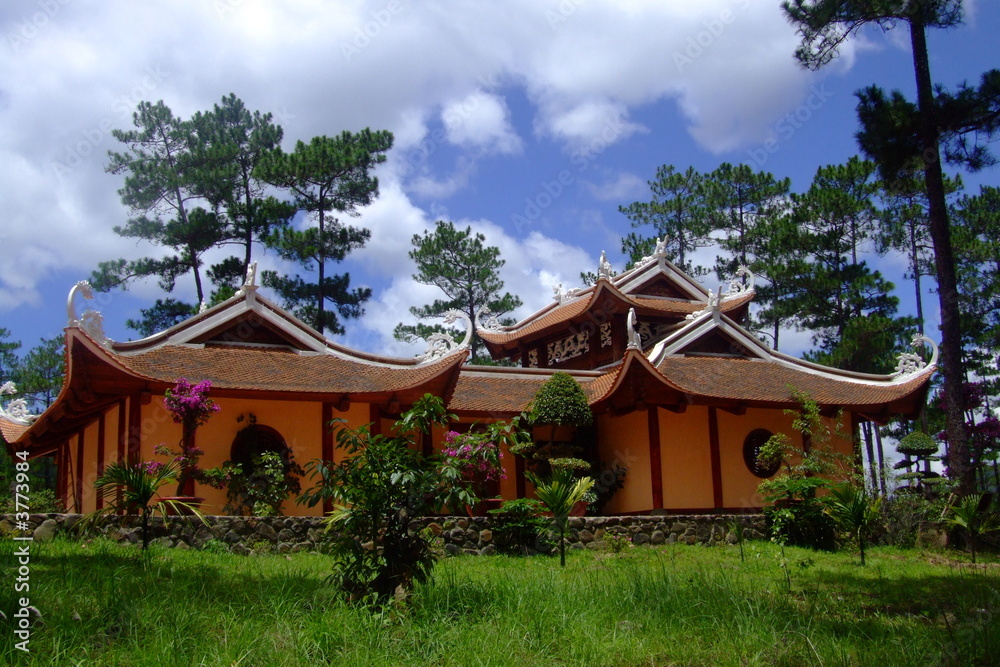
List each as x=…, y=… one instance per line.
x=458, y=534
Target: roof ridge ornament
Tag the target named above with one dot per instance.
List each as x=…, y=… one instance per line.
x=712, y=307
x=249, y=286
x=440, y=344
x=604, y=267
x=562, y=296
x=631, y=328
x=492, y=323
x=738, y=286
x=91, y=321
x=909, y=363
x=660, y=252
x=17, y=409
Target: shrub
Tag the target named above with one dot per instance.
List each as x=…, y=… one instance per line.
x=855, y=511
x=559, y=494
x=132, y=489
x=561, y=402
x=617, y=542
x=518, y=525
x=261, y=490
x=379, y=489
x=796, y=515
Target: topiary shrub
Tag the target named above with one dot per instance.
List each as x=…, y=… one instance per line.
x=919, y=449
x=560, y=402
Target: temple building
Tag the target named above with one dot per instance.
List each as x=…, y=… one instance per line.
x=682, y=394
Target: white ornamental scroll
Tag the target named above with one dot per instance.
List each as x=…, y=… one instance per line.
x=908, y=363
x=91, y=321
x=442, y=344
x=17, y=410
x=742, y=283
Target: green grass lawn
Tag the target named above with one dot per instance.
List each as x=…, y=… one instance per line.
x=105, y=604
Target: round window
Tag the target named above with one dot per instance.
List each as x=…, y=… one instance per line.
x=751, y=449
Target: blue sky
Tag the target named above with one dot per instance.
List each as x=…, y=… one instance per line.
x=530, y=121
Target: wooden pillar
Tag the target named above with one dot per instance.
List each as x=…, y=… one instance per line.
x=101, y=434
x=122, y=430
x=63, y=467
x=134, y=428
x=122, y=438
x=716, y=453
x=519, y=487
x=327, y=444
x=655, y=459
x=375, y=416
x=78, y=481
x=190, y=440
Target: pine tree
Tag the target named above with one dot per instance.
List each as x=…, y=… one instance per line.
x=162, y=178
x=899, y=135
x=8, y=356
x=466, y=270
x=904, y=229
x=329, y=174
x=229, y=143
x=40, y=373
x=676, y=213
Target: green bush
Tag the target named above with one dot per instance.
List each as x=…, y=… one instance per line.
x=802, y=523
x=518, y=526
x=796, y=515
x=379, y=489
x=561, y=401
x=261, y=490
x=902, y=513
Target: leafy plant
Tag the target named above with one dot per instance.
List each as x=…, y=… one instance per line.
x=736, y=527
x=617, y=542
x=132, y=488
x=855, y=511
x=262, y=489
x=517, y=525
x=561, y=401
x=970, y=515
x=476, y=456
x=796, y=515
x=559, y=493
x=383, y=484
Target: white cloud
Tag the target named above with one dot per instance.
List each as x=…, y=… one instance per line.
x=623, y=189
x=481, y=120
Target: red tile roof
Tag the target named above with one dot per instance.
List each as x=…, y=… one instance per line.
x=278, y=369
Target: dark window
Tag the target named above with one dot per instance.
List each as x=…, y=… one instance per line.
x=751, y=448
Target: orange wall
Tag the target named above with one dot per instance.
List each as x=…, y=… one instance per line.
x=625, y=440
x=298, y=422
x=686, y=458
x=739, y=485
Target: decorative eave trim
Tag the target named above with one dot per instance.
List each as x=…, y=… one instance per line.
x=675, y=344
x=16, y=411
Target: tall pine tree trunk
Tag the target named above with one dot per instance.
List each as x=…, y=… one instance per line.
x=959, y=462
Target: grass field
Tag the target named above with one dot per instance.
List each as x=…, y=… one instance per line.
x=107, y=604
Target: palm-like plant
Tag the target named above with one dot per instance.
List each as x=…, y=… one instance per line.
x=559, y=493
x=132, y=489
x=855, y=511
x=968, y=516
